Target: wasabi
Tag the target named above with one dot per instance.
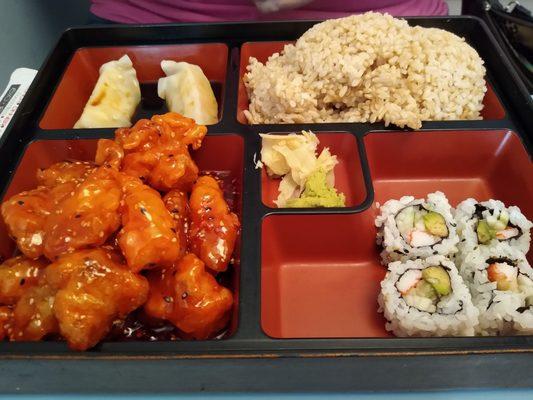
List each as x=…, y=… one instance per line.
x=318, y=193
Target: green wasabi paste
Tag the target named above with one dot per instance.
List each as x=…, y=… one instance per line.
x=317, y=193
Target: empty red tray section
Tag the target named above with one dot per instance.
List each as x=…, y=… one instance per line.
x=320, y=277
x=462, y=164
x=348, y=172
x=80, y=76
x=492, y=109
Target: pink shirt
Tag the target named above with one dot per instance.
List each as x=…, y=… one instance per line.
x=161, y=11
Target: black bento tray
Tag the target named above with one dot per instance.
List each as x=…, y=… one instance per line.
x=249, y=360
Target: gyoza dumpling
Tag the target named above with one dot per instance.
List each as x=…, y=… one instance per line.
x=187, y=91
x=114, y=98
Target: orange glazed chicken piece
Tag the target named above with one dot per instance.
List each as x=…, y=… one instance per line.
x=177, y=127
x=95, y=290
x=163, y=168
x=148, y=237
x=160, y=303
x=142, y=136
x=213, y=230
x=33, y=316
x=177, y=204
x=64, y=171
x=6, y=317
x=201, y=304
x=87, y=217
x=163, y=129
x=190, y=298
x=175, y=169
x=25, y=216
x=156, y=151
x=109, y=152
x=16, y=275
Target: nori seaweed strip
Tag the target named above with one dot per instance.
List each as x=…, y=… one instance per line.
x=501, y=260
x=479, y=211
x=492, y=302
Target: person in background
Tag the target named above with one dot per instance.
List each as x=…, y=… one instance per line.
x=165, y=11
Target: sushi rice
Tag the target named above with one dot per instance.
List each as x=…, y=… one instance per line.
x=501, y=283
x=406, y=228
x=488, y=223
x=445, y=312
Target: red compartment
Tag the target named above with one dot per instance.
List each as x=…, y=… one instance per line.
x=81, y=74
x=320, y=274
x=348, y=173
x=462, y=164
x=43, y=153
x=493, y=108
x=320, y=277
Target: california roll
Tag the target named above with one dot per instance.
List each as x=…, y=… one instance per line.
x=485, y=224
x=412, y=228
x=427, y=298
x=501, y=282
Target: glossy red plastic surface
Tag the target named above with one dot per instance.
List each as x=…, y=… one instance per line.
x=320, y=274
x=492, y=109
x=462, y=164
x=43, y=153
x=320, y=277
x=348, y=172
x=81, y=74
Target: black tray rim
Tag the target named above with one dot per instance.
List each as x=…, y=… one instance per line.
x=373, y=353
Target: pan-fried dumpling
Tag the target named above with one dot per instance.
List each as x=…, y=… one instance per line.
x=114, y=98
x=187, y=91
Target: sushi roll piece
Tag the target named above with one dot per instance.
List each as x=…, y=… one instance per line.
x=427, y=298
x=523, y=319
x=488, y=223
x=412, y=228
x=501, y=283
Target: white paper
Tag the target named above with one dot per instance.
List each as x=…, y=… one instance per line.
x=13, y=94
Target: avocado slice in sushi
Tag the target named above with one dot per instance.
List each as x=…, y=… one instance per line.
x=439, y=279
x=484, y=233
x=425, y=289
x=435, y=224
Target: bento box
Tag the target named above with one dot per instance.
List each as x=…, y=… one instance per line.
x=305, y=281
